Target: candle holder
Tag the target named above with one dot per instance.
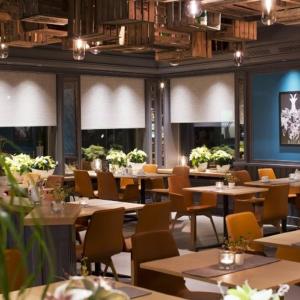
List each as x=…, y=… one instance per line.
x=226, y=260
x=219, y=185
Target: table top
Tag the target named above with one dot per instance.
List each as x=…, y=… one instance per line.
x=94, y=205
x=235, y=191
x=267, y=276
x=277, y=181
x=44, y=215
x=211, y=173
x=281, y=239
x=35, y=293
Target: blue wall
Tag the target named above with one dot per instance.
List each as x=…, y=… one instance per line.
x=265, y=111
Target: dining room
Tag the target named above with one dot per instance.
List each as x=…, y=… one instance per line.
x=150, y=149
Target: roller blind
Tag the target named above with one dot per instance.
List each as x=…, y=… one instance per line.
x=203, y=99
x=112, y=103
x=27, y=99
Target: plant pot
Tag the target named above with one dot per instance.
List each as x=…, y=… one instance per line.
x=96, y=165
x=115, y=169
x=223, y=169
x=239, y=259
x=137, y=168
x=43, y=173
x=202, y=167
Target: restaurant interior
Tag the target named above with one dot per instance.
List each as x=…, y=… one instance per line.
x=150, y=149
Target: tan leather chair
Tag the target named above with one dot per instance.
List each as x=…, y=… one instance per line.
x=288, y=253
x=155, y=245
x=181, y=171
x=54, y=181
x=153, y=217
x=108, y=190
x=83, y=184
x=266, y=172
x=31, y=178
x=15, y=270
x=247, y=202
x=245, y=225
x=104, y=238
x=275, y=210
x=182, y=204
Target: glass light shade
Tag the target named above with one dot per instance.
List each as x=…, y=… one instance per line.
x=3, y=50
x=79, y=47
x=93, y=47
x=193, y=8
x=238, y=57
x=162, y=85
x=268, y=16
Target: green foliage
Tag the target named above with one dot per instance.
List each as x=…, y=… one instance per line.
x=200, y=155
x=137, y=156
x=221, y=157
x=117, y=157
x=225, y=148
x=44, y=163
x=93, y=152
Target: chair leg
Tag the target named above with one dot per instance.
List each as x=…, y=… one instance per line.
x=111, y=264
x=78, y=237
x=177, y=216
x=193, y=231
x=214, y=227
x=284, y=225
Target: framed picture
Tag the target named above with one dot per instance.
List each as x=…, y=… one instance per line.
x=289, y=109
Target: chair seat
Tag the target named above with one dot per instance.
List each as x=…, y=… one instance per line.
x=252, y=200
x=198, y=208
x=292, y=195
x=158, y=191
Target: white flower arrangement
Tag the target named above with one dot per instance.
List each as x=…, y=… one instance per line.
x=137, y=156
x=44, y=163
x=245, y=292
x=221, y=158
x=19, y=163
x=117, y=157
x=200, y=155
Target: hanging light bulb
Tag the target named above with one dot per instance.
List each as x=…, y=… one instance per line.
x=268, y=16
x=238, y=57
x=193, y=8
x=3, y=49
x=162, y=85
x=79, y=47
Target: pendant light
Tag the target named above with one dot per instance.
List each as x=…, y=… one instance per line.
x=79, y=47
x=238, y=55
x=3, y=49
x=193, y=8
x=268, y=16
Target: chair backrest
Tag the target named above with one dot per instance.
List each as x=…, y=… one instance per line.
x=242, y=176
x=154, y=217
x=104, y=236
x=31, y=178
x=266, y=172
x=54, y=181
x=125, y=181
x=107, y=186
x=83, y=184
x=181, y=171
x=150, y=168
x=288, y=253
x=148, y=246
x=244, y=225
x=176, y=185
x=15, y=270
x=276, y=203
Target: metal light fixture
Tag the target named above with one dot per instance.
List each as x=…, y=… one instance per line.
x=94, y=47
x=193, y=8
x=238, y=56
x=3, y=49
x=162, y=85
x=268, y=16
x=79, y=47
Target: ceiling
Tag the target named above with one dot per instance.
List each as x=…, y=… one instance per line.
x=139, y=26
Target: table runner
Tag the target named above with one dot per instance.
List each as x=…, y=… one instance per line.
x=252, y=261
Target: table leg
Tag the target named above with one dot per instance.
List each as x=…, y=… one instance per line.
x=225, y=213
x=193, y=231
x=143, y=191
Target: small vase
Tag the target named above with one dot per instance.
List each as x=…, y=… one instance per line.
x=202, y=167
x=239, y=259
x=114, y=168
x=96, y=164
x=223, y=169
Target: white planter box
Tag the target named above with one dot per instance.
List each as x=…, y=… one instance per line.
x=202, y=167
x=223, y=169
x=137, y=168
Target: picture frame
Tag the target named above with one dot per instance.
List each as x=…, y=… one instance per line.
x=289, y=118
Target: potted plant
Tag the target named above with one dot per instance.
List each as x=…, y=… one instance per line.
x=19, y=164
x=117, y=160
x=200, y=157
x=43, y=165
x=222, y=160
x=136, y=160
x=94, y=154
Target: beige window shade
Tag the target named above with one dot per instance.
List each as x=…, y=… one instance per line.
x=203, y=99
x=112, y=103
x=27, y=99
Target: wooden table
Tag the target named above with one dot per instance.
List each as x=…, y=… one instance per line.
x=267, y=276
x=94, y=205
x=226, y=192
x=209, y=173
x=140, y=177
x=282, y=239
x=278, y=181
x=35, y=293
